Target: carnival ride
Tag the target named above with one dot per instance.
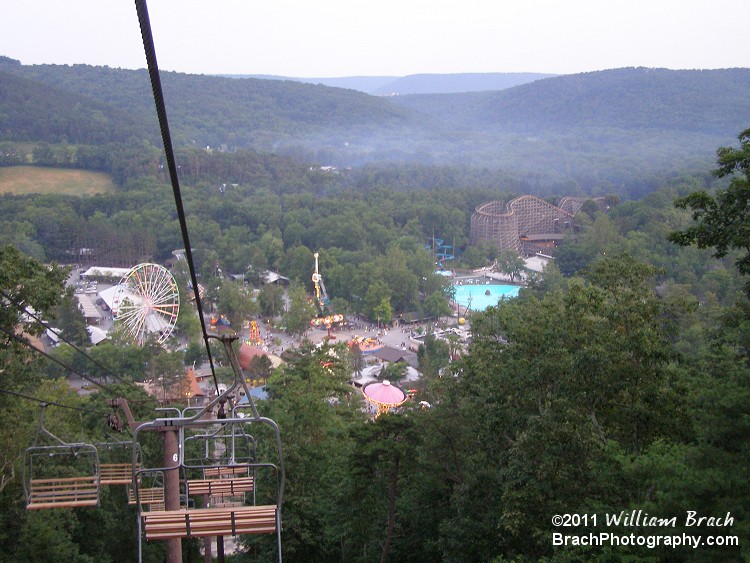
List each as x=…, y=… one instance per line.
x=328, y=321
x=321, y=296
x=384, y=396
x=527, y=224
x=220, y=324
x=254, y=338
x=146, y=302
x=321, y=302
x=366, y=344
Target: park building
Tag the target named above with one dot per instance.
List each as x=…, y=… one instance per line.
x=527, y=224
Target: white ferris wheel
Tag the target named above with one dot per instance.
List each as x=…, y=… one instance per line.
x=146, y=302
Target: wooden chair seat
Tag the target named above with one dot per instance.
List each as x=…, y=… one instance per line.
x=63, y=492
x=116, y=473
x=201, y=522
x=220, y=487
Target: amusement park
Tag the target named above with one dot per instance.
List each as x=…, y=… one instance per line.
x=211, y=483
x=211, y=476
x=316, y=385
x=432, y=318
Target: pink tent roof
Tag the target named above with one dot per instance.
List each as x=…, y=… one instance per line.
x=384, y=393
x=246, y=353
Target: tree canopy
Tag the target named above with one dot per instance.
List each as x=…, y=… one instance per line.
x=723, y=220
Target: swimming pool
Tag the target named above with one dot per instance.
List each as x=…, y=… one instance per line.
x=475, y=297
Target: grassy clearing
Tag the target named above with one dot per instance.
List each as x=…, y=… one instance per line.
x=34, y=180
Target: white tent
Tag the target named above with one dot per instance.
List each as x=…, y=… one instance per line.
x=105, y=272
x=90, y=312
x=97, y=334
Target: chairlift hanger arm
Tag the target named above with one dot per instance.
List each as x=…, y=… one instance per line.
x=42, y=430
x=123, y=404
x=239, y=383
x=239, y=380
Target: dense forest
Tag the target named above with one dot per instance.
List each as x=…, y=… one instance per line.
x=617, y=383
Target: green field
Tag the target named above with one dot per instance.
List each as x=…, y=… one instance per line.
x=35, y=180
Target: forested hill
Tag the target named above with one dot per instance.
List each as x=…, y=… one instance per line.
x=599, y=132
x=207, y=110
x=211, y=110
x=698, y=101
x=32, y=111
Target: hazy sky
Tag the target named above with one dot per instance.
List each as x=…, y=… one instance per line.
x=331, y=38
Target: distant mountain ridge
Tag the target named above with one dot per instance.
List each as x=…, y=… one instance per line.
x=420, y=83
x=366, y=84
x=458, y=83
x=212, y=110
x=701, y=101
x=708, y=101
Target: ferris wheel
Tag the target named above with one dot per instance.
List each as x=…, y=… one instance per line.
x=147, y=302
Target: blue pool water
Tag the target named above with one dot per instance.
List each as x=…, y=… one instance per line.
x=474, y=295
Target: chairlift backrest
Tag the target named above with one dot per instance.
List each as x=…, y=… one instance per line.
x=115, y=462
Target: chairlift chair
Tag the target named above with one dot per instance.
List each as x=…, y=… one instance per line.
x=223, y=480
x=150, y=490
x=235, y=474
x=221, y=444
x=115, y=462
x=57, y=474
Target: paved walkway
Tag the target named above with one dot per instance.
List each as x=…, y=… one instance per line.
x=394, y=337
